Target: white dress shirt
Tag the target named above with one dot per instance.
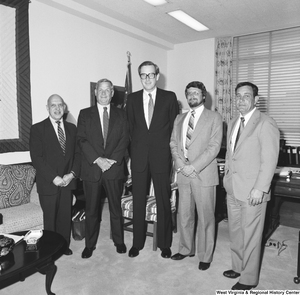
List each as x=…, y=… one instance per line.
x=198, y=112
x=237, y=125
x=55, y=126
x=100, y=109
x=146, y=102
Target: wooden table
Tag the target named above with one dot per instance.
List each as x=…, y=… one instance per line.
x=24, y=263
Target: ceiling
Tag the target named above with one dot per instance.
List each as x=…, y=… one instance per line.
x=223, y=17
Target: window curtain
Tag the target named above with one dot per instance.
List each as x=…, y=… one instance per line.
x=223, y=95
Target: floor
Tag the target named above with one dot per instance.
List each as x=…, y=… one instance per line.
x=107, y=272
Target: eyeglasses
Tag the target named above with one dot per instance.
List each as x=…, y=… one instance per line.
x=145, y=76
x=193, y=93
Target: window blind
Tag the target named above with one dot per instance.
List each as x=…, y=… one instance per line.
x=271, y=60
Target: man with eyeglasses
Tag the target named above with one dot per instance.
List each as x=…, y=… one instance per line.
x=195, y=143
x=151, y=113
x=251, y=159
x=103, y=137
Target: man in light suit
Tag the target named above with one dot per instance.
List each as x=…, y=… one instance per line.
x=195, y=143
x=103, y=138
x=57, y=163
x=151, y=113
x=251, y=160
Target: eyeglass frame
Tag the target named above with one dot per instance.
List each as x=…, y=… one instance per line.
x=147, y=76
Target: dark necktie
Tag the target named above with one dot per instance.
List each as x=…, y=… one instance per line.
x=61, y=137
x=150, y=108
x=105, y=124
x=241, y=128
x=190, y=130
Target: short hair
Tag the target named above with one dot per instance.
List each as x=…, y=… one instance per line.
x=253, y=86
x=196, y=84
x=148, y=63
x=104, y=80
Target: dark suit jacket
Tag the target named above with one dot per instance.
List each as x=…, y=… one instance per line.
x=47, y=156
x=91, y=143
x=151, y=144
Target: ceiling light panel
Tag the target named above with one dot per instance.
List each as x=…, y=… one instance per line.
x=187, y=20
x=156, y=2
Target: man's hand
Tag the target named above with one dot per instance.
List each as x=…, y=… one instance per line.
x=68, y=178
x=105, y=163
x=58, y=181
x=255, y=197
x=189, y=171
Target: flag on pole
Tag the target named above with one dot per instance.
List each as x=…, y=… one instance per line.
x=128, y=82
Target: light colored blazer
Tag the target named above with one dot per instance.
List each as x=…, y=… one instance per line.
x=253, y=163
x=204, y=147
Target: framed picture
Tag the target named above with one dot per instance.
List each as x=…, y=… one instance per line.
x=117, y=99
x=15, y=97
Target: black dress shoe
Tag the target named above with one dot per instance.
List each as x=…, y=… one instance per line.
x=231, y=274
x=239, y=286
x=166, y=253
x=133, y=252
x=179, y=256
x=87, y=252
x=204, y=265
x=121, y=248
x=68, y=252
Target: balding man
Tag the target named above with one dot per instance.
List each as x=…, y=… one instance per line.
x=56, y=160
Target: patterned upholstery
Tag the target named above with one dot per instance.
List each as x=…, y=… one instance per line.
x=19, y=201
x=151, y=208
x=25, y=217
x=16, y=182
x=151, y=212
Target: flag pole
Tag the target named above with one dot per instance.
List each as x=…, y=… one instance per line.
x=128, y=82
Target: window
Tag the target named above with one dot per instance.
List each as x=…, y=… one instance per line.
x=271, y=60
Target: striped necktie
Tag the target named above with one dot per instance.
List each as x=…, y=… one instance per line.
x=190, y=130
x=150, y=108
x=241, y=128
x=61, y=137
x=105, y=124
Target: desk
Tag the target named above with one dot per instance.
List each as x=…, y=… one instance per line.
x=282, y=188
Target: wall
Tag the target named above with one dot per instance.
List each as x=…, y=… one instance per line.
x=193, y=61
x=68, y=52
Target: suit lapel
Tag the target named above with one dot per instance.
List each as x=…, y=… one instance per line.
x=52, y=138
x=180, y=131
x=140, y=108
x=112, y=120
x=230, y=132
x=96, y=124
x=250, y=126
x=200, y=126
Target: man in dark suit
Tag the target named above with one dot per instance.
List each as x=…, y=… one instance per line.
x=195, y=143
x=57, y=162
x=103, y=138
x=251, y=159
x=151, y=113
